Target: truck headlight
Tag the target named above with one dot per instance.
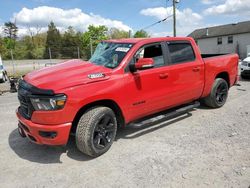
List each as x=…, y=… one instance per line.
x=47, y=103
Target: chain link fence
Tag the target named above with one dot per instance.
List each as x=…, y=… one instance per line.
x=16, y=67
x=20, y=67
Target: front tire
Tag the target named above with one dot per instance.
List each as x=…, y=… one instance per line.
x=96, y=131
x=219, y=93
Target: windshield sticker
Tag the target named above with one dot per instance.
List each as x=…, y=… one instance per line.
x=122, y=49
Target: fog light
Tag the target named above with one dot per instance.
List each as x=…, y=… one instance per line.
x=47, y=134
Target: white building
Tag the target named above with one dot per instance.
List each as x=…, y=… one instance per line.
x=231, y=38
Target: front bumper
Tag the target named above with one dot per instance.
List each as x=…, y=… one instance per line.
x=44, y=134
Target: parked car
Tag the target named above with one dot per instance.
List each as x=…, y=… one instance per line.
x=245, y=68
x=123, y=81
x=3, y=72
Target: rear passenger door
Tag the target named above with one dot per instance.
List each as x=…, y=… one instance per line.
x=186, y=72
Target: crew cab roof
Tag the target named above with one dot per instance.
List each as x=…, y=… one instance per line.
x=136, y=40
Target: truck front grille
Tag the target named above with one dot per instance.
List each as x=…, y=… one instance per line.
x=25, y=91
x=244, y=63
x=25, y=109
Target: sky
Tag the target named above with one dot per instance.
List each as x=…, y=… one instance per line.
x=122, y=14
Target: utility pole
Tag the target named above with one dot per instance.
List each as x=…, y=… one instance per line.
x=50, y=55
x=12, y=58
x=174, y=15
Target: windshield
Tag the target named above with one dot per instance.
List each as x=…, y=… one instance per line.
x=110, y=54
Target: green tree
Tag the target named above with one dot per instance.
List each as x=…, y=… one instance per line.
x=10, y=31
x=40, y=43
x=141, y=34
x=53, y=42
x=115, y=33
x=3, y=49
x=70, y=43
x=93, y=36
x=30, y=47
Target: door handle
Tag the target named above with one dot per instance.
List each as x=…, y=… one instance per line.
x=196, y=69
x=163, y=75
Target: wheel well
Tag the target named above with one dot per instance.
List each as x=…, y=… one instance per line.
x=108, y=103
x=225, y=76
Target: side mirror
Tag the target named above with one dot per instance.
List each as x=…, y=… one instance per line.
x=141, y=64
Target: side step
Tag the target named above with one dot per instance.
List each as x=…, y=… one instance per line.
x=165, y=116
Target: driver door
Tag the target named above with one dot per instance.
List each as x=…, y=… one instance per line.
x=146, y=88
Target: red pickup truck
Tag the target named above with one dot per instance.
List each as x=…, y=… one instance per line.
x=123, y=81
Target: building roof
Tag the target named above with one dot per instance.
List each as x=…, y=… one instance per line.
x=223, y=30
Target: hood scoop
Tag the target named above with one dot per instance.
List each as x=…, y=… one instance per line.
x=96, y=75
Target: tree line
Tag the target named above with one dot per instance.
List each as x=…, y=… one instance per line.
x=55, y=44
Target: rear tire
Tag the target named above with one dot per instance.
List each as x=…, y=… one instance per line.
x=96, y=131
x=219, y=93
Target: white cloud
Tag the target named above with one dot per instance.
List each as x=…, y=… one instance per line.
x=41, y=16
x=230, y=7
x=207, y=2
x=187, y=20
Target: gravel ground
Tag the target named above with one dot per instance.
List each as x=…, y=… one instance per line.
x=205, y=148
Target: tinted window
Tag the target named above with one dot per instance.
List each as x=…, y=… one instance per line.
x=152, y=51
x=219, y=40
x=230, y=40
x=181, y=52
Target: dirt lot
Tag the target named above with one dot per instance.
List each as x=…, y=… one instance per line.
x=206, y=148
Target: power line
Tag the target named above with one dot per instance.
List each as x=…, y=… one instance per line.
x=163, y=20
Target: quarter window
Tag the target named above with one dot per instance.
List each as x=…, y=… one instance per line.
x=181, y=52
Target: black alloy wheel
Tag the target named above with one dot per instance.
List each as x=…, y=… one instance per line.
x=104, y=132
x=221, y=93
x=96, y=131
x=218, y=95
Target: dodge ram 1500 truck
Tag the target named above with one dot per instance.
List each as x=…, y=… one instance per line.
x=123, y=81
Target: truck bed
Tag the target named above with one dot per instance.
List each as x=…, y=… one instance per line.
x=222, y=63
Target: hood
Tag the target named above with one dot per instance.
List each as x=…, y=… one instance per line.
x=68, y=74
x=247, y=59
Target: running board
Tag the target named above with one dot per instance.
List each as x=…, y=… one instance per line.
x=165, y=116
